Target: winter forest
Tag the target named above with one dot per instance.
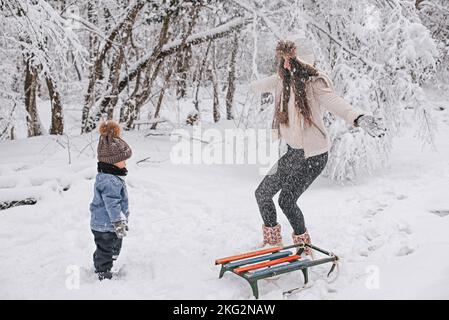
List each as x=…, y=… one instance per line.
x=159, y=66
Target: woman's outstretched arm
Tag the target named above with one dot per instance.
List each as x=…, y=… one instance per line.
x=267, y=84
x=326, y=96
x=330, y=100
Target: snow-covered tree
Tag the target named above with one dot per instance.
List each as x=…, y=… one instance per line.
x=379, y=57
x=146, y=59
x=378, y=54
x=435, y=16
x=38, y=33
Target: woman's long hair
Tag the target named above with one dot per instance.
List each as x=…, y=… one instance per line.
x=297, y=78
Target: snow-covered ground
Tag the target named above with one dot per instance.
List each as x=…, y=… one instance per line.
x=390, y=229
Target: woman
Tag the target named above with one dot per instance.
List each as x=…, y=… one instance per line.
x=302, y=94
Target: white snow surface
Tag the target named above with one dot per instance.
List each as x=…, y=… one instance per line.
x=390, y=229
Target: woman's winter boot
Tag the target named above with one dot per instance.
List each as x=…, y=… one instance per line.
x=303, y=238
x=272, y=235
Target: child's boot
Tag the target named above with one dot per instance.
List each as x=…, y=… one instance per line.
x=104, y=275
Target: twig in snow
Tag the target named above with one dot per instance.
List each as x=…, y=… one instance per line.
x=156, y=134
x=147, y=160
x=190, y=138
x=67, y=144
x=69, y=149
x=89, y=144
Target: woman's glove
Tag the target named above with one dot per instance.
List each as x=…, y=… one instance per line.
x=372, y=125
x=121, y=228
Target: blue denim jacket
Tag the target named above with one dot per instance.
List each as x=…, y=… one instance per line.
x=110, y=203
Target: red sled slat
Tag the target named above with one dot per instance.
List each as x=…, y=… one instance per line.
x=266, y=264
x=247, y=255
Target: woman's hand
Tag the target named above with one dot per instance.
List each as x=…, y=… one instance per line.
x=373, y=126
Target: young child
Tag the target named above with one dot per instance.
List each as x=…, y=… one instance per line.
x=109, y=207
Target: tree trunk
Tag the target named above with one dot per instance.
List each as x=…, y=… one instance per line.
x=213, y=76
x=161, y=97
x=200, y=76
x=32, y=117
x=96, y=73
x=150, y=76
x=182, y=65
x=143, y=96
x=95, y=69
x=158, y=53
x=231, y=79
x=57, y=119
x=116, y=65
x=417, y=4
x=128, y=107
x=75, y=65
x=114, y=77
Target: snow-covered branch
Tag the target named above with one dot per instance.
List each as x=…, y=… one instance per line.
x=173, y=46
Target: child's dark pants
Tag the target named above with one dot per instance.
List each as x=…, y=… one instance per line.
x=108, y=248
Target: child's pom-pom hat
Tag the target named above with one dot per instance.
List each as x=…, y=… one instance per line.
x=109, y=128
x=111, y=148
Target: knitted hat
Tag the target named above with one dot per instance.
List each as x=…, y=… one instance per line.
x=286, y=49
x=296, y=46
x=111, y=148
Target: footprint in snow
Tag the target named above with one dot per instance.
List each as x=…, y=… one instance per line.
x=405, y=251
x=87, y=274
x=404, y=227
x=440, y=213
x=22, y=167
x=373, y=212
x=371, y=234
x=8, y=183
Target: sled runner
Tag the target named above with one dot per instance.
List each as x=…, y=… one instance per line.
x=266, y=263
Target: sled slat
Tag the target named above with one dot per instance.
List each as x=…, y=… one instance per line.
x=284, y=268
x=247, y=255
x=271, y=256
x=266, y=264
